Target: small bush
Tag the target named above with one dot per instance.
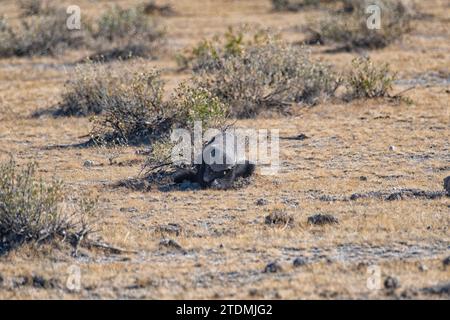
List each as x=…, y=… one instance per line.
x=85, y=90
x=126, y=26
x=134, y=112
x=207, y=55
x=293, y=5
x=349, y=27
x=35, y=7
x=368, y=81
x=34, y=211
x=270, y=76
x=195, y=103
x=38, y=35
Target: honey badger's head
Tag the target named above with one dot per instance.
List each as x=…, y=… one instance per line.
x=219, y=157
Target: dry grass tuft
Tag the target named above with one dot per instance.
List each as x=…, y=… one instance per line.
x=34, y=211
x=349, y=29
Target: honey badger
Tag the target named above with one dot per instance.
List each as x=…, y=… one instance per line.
x=217, y=174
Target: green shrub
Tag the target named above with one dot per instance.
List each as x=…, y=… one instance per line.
x=367, y=80
x=270, y=76
x=34, y=211
x=349, y=27
x=207, y=55
x=195, y=103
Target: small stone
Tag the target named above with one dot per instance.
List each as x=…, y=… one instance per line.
x=363, y=178
x=88, y=163
x=446, y=262
x=391, y=283
x=447, y=185
x=278, y=217
x=298, y=262
x=273, y=267
x=172, y=228
x=423, y=267
x=392, y=148
x=171, y=244
x=261, y=202
x=322, y=219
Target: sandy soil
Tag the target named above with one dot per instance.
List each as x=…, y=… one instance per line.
x=225, y=243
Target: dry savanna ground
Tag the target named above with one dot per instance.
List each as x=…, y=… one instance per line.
x=355, y=158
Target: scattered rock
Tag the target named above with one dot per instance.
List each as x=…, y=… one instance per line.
x=299, y=137
x=442, y=289
x=409, y=294
x=447, y=185
x=273, y=267
x=279, y=217
x=88, y=163
x=363, y=178
x=42, y=283
x=446, y=262
x=187, y=185
x=392, y=148
x=171, y=228
x=131, y=209
x=21, y=281
x=253, y=292
x=171, y=244
x=299, y=261
x=262, y=202
x=423, y=267
x=391, y=283
x=322, y=219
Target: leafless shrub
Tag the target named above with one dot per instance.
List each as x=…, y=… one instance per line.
x=349, y=27
x=39, y=35
x=119, y=27
x=270, y=76
x=35, y=7
x=34, y=211
x=85, y=90
x=133, y=111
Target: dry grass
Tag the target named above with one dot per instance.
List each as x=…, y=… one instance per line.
x=223, y=237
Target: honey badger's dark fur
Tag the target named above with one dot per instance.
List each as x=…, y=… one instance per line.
x=218, y=180
x=204, y=175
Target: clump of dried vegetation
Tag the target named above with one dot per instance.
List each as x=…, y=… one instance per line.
x=35, y=7
x=117, y=34
x=366, y=80
x=133, y=110
x=349, y=29
x=85, y=91
x=32, y=211
x=122, y=33
x=128, y=104
x=261, y=75
x=293, y=5
x=39, y=35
